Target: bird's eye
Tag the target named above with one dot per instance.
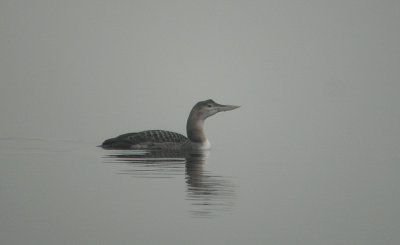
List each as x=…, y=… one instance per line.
x=209, y=105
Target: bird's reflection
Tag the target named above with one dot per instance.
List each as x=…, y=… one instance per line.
x=208, y=194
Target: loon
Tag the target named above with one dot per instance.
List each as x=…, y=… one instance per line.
x=161, y=139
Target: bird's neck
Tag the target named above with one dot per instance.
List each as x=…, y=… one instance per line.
x=194, y=128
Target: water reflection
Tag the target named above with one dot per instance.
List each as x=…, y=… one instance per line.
x=209, y=194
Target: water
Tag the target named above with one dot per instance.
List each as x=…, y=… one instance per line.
x=71, y=192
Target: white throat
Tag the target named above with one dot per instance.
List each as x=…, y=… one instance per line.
x=206, y=145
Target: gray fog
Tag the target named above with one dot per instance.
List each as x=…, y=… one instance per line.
x=311, y=157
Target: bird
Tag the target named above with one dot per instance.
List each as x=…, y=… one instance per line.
x=162, y=139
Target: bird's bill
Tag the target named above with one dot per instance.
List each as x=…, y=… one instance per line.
x=226, y=107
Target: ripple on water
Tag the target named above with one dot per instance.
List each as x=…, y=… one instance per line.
x=208, y=194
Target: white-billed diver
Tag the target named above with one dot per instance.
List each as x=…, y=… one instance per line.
x=161, y=139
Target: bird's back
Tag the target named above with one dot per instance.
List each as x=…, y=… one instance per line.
x=144, y=139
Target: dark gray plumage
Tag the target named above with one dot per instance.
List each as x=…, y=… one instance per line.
x=149, y=137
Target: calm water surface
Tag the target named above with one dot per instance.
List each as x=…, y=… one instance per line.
x=71, y=192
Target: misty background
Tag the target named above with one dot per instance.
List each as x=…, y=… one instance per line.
x=87, y=70
x=311, y=156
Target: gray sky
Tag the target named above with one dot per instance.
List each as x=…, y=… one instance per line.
x=88, y=70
